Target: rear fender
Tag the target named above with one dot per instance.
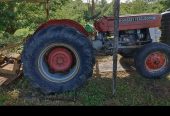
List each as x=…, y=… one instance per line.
x=65, y=22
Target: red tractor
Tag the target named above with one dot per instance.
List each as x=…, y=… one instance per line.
x=60, y=55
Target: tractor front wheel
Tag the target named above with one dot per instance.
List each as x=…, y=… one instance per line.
x=58, y=59
x=153, y=60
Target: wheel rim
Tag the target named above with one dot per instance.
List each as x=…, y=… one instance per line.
x=58, y=63
x=156, y=61
x=60, y=59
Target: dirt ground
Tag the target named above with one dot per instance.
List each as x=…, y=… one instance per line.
x=131, y=90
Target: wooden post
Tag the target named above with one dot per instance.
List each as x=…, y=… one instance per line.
x=47, y=9
x=116, y=10
x=93, y=8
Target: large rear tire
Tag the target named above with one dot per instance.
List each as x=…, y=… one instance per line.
x=153, y=60
x=58, y=59
x=165, y=28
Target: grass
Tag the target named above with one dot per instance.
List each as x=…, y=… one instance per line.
x=131, y=91
x=3, y=98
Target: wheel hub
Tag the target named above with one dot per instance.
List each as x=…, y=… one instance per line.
x=156, y=61
x=60, y=60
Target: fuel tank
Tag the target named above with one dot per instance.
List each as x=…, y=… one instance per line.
x=130, y=22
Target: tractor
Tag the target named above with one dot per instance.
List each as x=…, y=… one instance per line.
x=60, y=55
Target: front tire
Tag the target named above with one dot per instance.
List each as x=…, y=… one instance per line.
x=58, y=59
x=153, y=60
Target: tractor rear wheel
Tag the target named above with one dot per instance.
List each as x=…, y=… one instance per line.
x=153, y=60
x=165, y=27
x=58, y=59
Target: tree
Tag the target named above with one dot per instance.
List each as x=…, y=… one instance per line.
x=71, y=10
x=7, y=19
x=166, y=4
x=23, y=14
x=140, y=6
x=103, y=3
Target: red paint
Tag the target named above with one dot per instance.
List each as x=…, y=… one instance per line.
x=60, y=60
x=106, y=24
x=65, y=22
x=156, y=61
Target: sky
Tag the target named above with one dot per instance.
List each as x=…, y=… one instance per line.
x=109, y=0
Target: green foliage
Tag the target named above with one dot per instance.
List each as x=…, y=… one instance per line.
x=20, y=18
x=165, y=4
x=24, y=32
x=71, y=10
x=140, y=6
x=17, y=15
x=3, y=98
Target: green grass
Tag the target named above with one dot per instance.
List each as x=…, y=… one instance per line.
x=3, y=98
x=132, y=90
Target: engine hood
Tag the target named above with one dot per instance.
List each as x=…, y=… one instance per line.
x=140, y=21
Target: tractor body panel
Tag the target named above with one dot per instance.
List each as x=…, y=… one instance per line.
x=105, y=24
x=65, y=22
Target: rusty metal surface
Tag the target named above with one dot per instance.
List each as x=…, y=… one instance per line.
x=2, y=80
x=139, y=21
x=10, y=63
x=10, y=69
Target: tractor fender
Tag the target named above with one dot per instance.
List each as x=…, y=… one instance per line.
x=65, y=22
